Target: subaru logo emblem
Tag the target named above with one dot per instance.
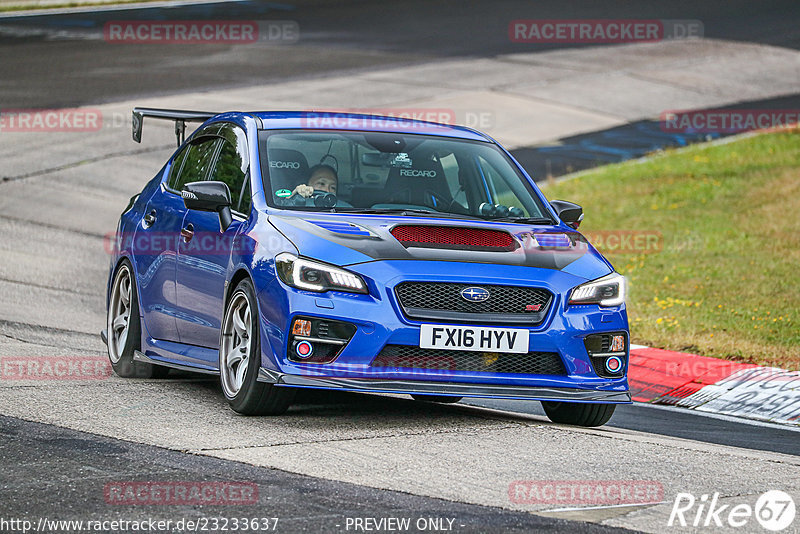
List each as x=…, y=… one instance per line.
x=474, y=294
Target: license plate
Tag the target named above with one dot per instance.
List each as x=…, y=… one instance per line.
x=475, y=338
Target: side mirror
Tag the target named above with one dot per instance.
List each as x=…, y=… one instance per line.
x=209, y=196
x=570, y=213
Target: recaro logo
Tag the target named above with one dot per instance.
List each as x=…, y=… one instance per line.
x=284, y=164
x=417, y=173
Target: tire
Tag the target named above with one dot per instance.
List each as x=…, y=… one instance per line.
x=124, y=327
x=579, y=414
x=443, y=399
x=240, y=358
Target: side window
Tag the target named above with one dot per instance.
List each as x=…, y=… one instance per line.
x=175, y=170
x=232, y=167
x=197, y=162
x=247, y=197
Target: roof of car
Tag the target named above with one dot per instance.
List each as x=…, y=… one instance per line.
x=333, y=120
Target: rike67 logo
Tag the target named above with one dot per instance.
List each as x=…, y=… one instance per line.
x=773, y=510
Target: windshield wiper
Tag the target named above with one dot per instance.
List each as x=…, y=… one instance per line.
x=526, y=220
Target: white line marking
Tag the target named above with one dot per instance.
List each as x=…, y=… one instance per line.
x=580, y=508
x=112, y=7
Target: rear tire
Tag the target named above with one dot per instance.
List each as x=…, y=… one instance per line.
x=443, y=399
x=577, y=413
x=124, y=328
x=240, y=359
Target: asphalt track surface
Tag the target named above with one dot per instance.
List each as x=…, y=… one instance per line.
x=54, y=63
x=62, y=60
x=681, y=423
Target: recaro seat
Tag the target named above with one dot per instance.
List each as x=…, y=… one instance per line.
x=287, y=169
x=418, y=187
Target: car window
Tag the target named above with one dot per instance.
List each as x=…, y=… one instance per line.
x=380, y=171
x=175, y=170
x=500, y=191
x=450, y=169
x=247, y=197
x=198, y=160
x=232, y=167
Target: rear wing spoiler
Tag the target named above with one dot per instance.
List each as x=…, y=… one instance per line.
x=181, y=117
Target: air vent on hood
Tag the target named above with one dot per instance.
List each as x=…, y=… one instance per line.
x=341, y=227
x=454, y=237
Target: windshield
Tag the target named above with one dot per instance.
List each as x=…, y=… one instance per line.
x=390, y=172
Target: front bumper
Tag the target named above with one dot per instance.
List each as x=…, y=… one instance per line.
x=372, y=385
x=380, y=322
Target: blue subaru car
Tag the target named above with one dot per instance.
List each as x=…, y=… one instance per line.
x=285, y=250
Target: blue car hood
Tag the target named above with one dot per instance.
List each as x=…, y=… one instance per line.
x=351, y=239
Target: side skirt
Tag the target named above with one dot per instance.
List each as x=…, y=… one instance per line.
x=140, y=357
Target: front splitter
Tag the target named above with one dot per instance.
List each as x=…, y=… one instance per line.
x=377, y=385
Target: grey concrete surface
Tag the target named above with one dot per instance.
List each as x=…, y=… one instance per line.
x=41, y=461
x=458, y=453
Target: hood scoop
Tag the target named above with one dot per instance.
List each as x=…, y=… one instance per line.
x=454, y=237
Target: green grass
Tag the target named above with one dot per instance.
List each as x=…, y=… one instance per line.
x=726, y=282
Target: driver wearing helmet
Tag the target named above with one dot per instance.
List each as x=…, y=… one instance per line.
x=322, y=178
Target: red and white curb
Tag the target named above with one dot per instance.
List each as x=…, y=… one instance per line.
x=712, y=385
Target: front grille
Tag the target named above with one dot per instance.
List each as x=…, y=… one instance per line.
x=408, y=357
x=506, y=304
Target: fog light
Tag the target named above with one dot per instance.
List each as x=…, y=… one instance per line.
x=608, y=353
x=317, y=340
x=617, y=343
x=301, y=327
x=613, y=364
x=304, y=349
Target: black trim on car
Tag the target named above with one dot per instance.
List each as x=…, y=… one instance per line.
x=445, y=388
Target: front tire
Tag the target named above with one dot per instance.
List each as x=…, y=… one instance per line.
x=580, y=414
x=240, y=359
x=124, y=328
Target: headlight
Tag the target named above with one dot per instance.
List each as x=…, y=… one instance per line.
x=606, y=291
x=316, y=276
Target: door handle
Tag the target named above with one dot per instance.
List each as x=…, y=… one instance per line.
x=187, y=233
x=150, y=218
